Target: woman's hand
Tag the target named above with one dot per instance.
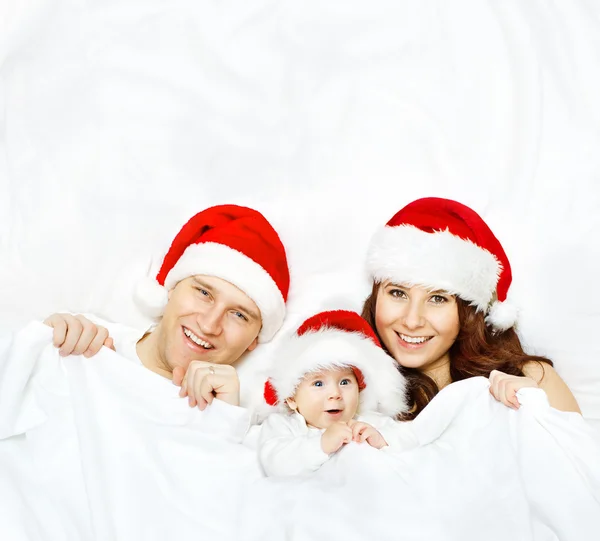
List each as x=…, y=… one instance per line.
x=77, y=335
x=504, y=387
x=362, y=432
x=203, y=382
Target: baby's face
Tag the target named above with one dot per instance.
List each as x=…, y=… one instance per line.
x=326, y=397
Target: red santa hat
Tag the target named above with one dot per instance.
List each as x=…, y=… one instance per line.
x=442, y=244
x=338, y=339
x=233, y=243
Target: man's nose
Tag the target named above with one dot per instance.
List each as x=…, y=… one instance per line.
x=210, y=321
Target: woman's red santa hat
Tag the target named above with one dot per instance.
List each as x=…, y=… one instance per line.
x=236, y=244
x=332, y=340
x=442, y=244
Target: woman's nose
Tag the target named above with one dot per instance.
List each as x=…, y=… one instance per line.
x=413, y=316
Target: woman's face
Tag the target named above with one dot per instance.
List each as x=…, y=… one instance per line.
x=418, y=326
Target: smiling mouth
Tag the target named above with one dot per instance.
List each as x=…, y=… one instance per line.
x=413, y=341
x=197, y=340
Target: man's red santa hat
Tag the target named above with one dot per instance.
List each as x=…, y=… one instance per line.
x=236, y=244
x=332, y=340
x=442, y=244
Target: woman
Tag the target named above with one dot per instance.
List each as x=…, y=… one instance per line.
x=438, y=305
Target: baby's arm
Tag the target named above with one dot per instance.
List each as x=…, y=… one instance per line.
x=284, y=450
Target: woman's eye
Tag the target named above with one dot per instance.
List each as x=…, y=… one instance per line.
x=318, y=383
x=439, y=299
x=398, y=293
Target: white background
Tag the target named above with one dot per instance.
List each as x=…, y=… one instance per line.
x=121, y=119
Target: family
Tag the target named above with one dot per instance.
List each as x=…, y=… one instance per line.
x=439, y=312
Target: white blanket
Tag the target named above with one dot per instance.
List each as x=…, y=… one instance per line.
x=104, y=449
x=482, y=471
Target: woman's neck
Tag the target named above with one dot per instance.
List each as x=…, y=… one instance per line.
x=440, y=372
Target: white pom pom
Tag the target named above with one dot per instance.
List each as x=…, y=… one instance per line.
x=502, y=316
x=151, y=297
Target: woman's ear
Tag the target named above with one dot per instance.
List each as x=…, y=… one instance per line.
x=291, y=404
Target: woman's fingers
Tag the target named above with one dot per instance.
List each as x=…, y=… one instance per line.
x=504, y=387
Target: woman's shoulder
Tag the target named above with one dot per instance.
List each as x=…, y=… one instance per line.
x=548, y=379
x=538, y=370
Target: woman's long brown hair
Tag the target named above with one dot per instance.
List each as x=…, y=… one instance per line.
x=476, y=352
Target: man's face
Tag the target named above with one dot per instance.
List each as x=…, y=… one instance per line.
x=206, y=319
x=326, y=397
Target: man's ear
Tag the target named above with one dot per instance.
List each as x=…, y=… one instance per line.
x=291, y=404
x=253, y=345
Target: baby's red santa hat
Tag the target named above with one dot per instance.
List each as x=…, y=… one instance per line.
x=234, y=243
x=442, y=244
x=338, y=339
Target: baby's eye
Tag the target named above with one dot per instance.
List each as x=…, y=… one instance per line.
x=345, y=381
x=318, y=383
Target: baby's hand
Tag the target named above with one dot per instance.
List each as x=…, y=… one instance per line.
x=335, y=436
x=365, y=432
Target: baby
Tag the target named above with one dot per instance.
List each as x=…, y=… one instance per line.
x=332, y=384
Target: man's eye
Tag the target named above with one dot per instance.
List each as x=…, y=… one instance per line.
x=202, y=291
x=318, y=383
x=241, y=316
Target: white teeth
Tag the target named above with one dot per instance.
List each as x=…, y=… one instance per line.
x=414, y=339
x=196, y=340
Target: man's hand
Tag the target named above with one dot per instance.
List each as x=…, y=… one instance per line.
x=362, y=432
x=335, y=436
x=203, y=381
x=504, y=387
x=77, y=335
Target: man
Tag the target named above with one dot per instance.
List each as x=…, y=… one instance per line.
x=221, y=290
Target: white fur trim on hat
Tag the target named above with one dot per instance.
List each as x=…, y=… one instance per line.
x=213, y=259
x=440, y=260
x=385, y=390
x=502, y=315
x=151, y=297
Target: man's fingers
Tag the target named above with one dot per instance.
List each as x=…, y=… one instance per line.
x=109, y=343
x=86, y=335
x=206, y=389
x=74, y=330
x=60, y=331
x=96, y=343
x=178, y=375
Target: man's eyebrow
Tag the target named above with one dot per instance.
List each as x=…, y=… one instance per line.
x=204, y=285
x=248, y=311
